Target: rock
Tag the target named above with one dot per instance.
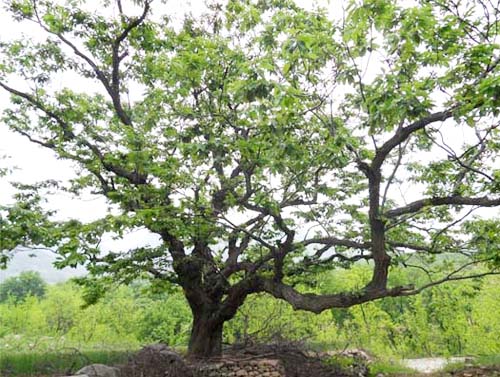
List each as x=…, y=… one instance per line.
x=99, y=370
x=162, y=349
x=241, y=368
x=355, y=353
x=275, y=364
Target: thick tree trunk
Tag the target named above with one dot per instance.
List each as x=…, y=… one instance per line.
x=206, y=336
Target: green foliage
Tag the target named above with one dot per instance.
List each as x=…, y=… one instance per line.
x=265, y=319
x=165, y=319
x=61, y=307
x=55, y=363
x=485, y=308
x=28, y=283
x=488, y=360
x=389, y=368
x=457, y=319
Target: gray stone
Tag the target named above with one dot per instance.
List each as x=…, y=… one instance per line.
x=98, y=370
x=164, y=351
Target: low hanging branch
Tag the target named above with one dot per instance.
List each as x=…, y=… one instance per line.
x=434, y=202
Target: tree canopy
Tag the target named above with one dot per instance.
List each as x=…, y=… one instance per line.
x=28, y=283
x=262, y=142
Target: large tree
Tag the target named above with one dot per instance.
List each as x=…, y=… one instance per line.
x=17, y=288
x=263, y=143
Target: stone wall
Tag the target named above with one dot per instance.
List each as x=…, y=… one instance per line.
x=160, y=361
x=241, y=368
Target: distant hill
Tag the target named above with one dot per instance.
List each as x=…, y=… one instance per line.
x=42, y=262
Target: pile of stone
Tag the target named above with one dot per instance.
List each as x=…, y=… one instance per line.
x=160, y=361
x=222, y=368
x=241, y=368
x=262, y=361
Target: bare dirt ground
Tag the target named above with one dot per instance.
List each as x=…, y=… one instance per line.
x=493, y=371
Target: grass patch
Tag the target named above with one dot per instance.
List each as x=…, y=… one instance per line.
x=339, y=361
x=479, y=361
x=65, y=362
x=488, y=360
x=389, y=367
x=454, y=366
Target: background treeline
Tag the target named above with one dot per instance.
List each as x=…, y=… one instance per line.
x=455, y=319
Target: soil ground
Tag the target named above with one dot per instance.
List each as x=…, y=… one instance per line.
x=493, y=371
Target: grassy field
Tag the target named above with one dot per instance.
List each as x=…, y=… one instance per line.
x=488, y=360
x=64, y=362
x=391, y=367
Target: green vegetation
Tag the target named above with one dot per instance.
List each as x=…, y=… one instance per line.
x=455, y=319
x=50, y=363
x=480, y=361
x=60, y=332
x=448, y=320
x=17, y=288
x=488, y=360
x=388, y=368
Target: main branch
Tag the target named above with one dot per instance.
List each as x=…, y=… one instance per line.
x=417, y=205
